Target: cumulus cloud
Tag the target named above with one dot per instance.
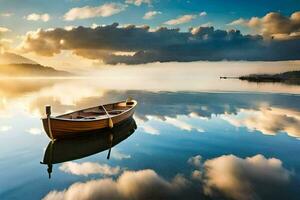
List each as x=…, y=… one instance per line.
x=36, y=17
x=195, y=161
x=161, y=45
x=151, y=14
x=147, y=128
x=274, y=25
x=150, y=129
x=243, y=179
x=239, y=21
x=197, y=175
x=225, y=176
x=4, y=29
x=143, y=184
x=35, y=131
x=270, y=121
x=116, y=154
x=86, y=12
x=179, y=122
x=181, y=20
x=138, y=2
x=88, y=168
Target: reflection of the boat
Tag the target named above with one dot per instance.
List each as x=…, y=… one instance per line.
x=60, y=151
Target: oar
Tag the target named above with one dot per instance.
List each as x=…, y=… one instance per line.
x=110, y=122
x=111, y=137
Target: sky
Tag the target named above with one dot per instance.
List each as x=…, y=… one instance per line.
x=144, y=31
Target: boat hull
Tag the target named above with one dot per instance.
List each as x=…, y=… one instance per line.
x=93, y=142
x=62, y=128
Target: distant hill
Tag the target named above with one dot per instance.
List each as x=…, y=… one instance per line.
x=30, y=70
x=15, y=65
x=292, y=77
x=11, y=58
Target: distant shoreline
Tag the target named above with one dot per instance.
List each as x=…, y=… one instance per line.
x=292, y=77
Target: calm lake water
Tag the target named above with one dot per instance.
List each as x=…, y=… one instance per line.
x=233, y=140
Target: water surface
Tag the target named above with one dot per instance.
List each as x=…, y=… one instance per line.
x=190, y=142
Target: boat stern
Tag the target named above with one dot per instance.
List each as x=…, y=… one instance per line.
x=46, y=127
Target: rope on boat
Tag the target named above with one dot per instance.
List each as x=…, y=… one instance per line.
x=48, y=112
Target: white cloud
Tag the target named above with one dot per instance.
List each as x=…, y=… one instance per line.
x=181, y=20
x=147, y=128
x=268, y=120
x=242, y=179
x=88, y=168
x=138, y=2
x=151, y=14
x=143, y=184
x=86, y=12
x=5, y=128
x=202, y=14
x=35, y=131
x=116, y=154
x=195, y=161
x=36, y=17
x=6, y=14
x=4, y=29
x=179, y=123
x=150, y=129
x=94, y=25
x=69, y=28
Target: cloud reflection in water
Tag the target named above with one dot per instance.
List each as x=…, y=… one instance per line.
x=228, y=176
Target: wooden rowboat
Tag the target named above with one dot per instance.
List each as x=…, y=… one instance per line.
x=87, y=120
x=90, y=143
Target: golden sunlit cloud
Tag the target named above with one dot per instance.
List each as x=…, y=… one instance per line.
x=242, y=179
x=102, y=43
x=143, y=184
x=274, y=25
x=4, y=29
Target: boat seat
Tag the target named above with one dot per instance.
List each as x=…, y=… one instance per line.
x=95, y=112
x=115, y=112
x=79, y=117
x=90, y=118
